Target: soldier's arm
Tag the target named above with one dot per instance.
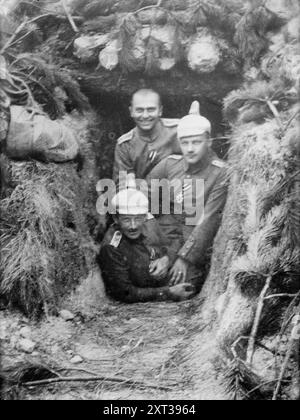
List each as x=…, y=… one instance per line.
x=158, y=173
x=170, y=251
x=115, y=271
x=167, y=249
x=122, y=161
x=201, y=239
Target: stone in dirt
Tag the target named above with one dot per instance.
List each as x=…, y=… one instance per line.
x=25, y=332
x=26, y=345
x=66, y=315
x=92, y=352
x=55, y=349
x=76, y=360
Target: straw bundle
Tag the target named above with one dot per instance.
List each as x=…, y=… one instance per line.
x=42, y=229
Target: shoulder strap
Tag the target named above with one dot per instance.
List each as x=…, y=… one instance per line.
x=126, y=137
x=218, y=163
x=116, y=239
x=170, y=122
x=175, y=157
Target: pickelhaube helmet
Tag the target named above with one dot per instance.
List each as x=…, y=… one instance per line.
x=130, y=201
x=193, y=124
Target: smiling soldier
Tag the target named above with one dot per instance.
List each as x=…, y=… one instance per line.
x=133, y=260
x=192, y=241
x=153, y=138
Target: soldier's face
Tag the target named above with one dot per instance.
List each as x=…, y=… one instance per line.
x=195, y=148
x=146, y=110
x=131, y=225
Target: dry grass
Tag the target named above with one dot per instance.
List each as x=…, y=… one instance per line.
x=27, y=272
x=47, y=213
x=256, y=153
x=42, y=229
x=260, y=159
x=249, y=104
x=137, y=342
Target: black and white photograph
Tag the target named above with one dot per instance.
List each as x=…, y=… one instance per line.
x=149, y=203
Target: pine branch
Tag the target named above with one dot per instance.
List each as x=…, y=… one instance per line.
x=291, y=120
x=155, y=6
x=293, y=338
x=48, y=76
x=31, y=100
x=251, y=30
x=279, y=295
x=273, y=108
x=19, y=29
x=93, y=379
x=33, y=80
x=252, y=391
x=22, y=37
x=234, y=345
x=260, y=305
x=70, y=19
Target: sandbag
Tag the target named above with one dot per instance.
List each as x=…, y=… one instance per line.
x=203, y=53
x=139, y=52
x=57, y=7
x=86, y=47
x=8, y=6
x=108, y=58
x=151, y=48
x=36, y=136
x=165, y=36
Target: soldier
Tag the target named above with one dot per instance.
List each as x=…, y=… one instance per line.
x=133, y=260
x=197, y=162
x=153, y=138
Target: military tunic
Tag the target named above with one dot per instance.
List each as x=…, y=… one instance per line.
x=125, y=265
x=193, y=241
x=138, y=154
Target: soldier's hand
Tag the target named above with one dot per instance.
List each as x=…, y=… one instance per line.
x=182, y=291
x=159, y=268
x=178, y=272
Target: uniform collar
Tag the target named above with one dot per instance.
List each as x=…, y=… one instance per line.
x=154, y=134
x=200, y=166
x=138, y=240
